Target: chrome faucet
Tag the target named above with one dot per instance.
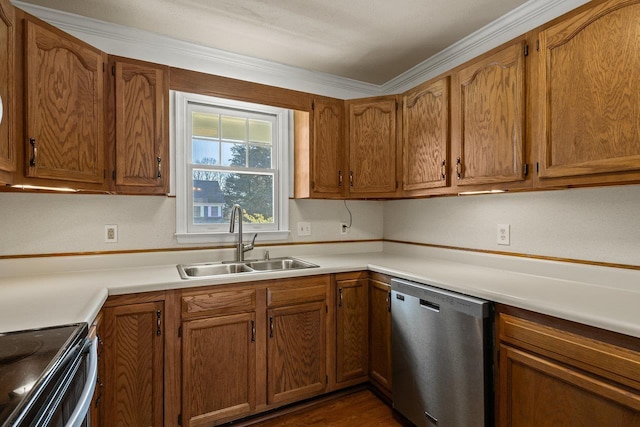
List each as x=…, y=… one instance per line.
x=241, y=248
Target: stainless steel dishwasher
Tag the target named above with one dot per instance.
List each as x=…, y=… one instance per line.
x=442, y=357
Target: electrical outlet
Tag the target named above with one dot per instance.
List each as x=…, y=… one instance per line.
x=504, y=234
x=111, y=233
x=344, y=228
x=304, y=229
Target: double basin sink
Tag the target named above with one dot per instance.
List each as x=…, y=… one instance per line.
x=211, y=269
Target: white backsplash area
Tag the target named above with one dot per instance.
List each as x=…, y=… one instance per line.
x=67, y=223
x=593, y=224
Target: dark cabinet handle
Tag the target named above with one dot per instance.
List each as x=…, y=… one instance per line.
x=253, y=331
x=158, y=322
x=443, y=171
x=339, y=178
x=340, y=300
x=270, y=327
x=350, y=178
x=459, y=168
x=159, y=159
x=389, y=301
x=34, y=152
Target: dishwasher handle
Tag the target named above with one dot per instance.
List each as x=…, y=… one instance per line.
x=430, y=305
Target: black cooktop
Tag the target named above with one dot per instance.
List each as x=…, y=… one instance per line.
x=28, y=360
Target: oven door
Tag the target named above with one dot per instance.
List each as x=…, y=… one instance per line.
x=66, y=403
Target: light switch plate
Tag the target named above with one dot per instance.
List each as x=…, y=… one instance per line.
x=304, y=229
x=504, y=234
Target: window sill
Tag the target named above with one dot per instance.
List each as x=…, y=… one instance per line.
x=185, y=238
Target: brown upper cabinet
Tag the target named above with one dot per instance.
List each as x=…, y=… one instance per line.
x=489, y=124
x=7, y=146
x=64, y=107
x=320, y=150
x=426, y=137
x=588, y=97
x=373, y=147
x=140, y=93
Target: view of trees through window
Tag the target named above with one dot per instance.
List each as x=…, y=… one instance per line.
x=232, y=163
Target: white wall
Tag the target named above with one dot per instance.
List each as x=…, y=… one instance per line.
x=63, y=223
x=595, y=224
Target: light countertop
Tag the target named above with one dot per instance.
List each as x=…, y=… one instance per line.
x=604, y=297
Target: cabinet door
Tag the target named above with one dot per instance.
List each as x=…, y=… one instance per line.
x=133, y=360
x=352, y=330
x=380, y=334
x=7, y=144
x=296, y=360
x=218, y=368
x=425, y=141
x=372, y=148
x=65, y=79
x=589, y=93
x=141, y=127
x=538, y=392
x=328, y=150
x=491, y=119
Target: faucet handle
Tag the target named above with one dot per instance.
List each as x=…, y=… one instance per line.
x=250, y=246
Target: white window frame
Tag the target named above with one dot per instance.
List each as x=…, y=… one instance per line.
x=185, y=233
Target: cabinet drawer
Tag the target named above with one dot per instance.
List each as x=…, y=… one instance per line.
x=219, y=302
x=298, y=291
x=607, y=360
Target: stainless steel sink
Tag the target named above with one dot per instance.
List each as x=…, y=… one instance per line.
x=190, y=271
x=279, y=264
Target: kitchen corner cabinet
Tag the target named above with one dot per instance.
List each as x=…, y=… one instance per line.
x=352, y=328
x=373, y=147
x=380, y=332
x=139, y=117
x=134, y=361
x=489, y=125
x=7, y=46
x=64, y=106
x=588, y=97
x=320, y=150
x=296, y=343
x=426, y=137
x=553, y=372
x=219, y=350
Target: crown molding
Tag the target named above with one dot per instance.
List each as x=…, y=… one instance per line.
x=509, y=26
x=125, y=41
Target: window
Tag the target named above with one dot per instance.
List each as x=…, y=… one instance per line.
x=230, y=152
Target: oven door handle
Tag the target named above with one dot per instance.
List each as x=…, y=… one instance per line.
x=82, y=408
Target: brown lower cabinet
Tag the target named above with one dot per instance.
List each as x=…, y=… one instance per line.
x=380, y=332
x=133, y=357
x=558, y=373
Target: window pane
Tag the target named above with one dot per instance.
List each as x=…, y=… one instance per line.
x=260, y=131
x=234, y=154
x=205, y=151
x=260, y=157
x=234, y=128
x=214, y=193
x=204, y=124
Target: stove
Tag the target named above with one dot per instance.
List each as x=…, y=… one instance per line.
x=39, y=368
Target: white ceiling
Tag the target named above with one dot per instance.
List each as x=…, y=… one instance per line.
x=366, y=40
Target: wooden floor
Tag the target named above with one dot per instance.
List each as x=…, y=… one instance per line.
x=360, y=409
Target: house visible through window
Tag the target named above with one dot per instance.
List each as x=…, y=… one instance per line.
x=230, y=152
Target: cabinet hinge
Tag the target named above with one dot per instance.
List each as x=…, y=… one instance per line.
x=113, y=70
x=179, y=419
x=326, y=308
x=526, y=50
x=313, y=106
x=397, y=106
x=313, y=185
x=104, y=173
x=180, y=332
x=526, y=169
x=538, y=45
x=113, y=174
x=537, y=167
x=103, y=70
x=158, y=323
x=326, y=379
x=397, y=185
